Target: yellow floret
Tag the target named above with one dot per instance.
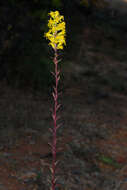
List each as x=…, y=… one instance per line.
x=56, y=33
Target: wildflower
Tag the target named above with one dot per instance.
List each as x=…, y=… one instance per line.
x=56, y=33
x=56, y=36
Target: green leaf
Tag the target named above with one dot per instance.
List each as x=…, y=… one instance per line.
x=109, y=160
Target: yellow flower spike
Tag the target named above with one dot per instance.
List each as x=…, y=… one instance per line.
x=57, y=32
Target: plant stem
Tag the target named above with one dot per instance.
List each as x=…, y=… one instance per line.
x=54, y=115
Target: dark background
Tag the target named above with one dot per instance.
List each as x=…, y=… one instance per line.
x=25, y=57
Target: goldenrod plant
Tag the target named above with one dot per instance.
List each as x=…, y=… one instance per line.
x=56, y=37
x=56, y=33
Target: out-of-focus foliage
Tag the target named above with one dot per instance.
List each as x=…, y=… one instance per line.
x=57, y=3
x=94, y=3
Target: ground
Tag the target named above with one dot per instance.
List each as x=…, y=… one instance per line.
x=92, y=140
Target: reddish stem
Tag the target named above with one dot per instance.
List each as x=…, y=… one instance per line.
x=56, y=105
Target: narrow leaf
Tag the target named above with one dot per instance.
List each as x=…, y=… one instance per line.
x=58, y=78
x=58, y=126
x=56, y=162
x=53, y=73
x=108, y=160
x=58, y=106
x=51, y=170
x=59, y=60
x=54, y=117
x=50, y=145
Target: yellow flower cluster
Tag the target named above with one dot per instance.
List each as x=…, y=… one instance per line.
x=56, y=33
